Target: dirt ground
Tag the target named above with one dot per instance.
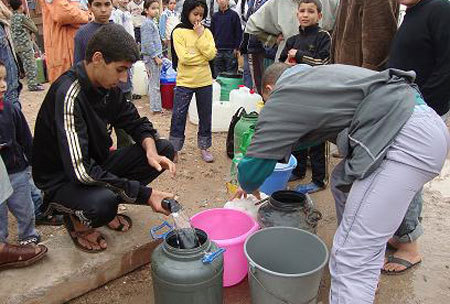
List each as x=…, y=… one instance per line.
x=201, y=186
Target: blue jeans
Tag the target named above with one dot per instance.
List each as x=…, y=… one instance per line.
x=225, y=61
x=181, y=102
x=154, y=92
x=410, y=229
x=21, y=206
x=36, y=197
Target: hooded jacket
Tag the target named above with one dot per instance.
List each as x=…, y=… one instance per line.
x=72, y=135
x=192, y=55
x=15, y=138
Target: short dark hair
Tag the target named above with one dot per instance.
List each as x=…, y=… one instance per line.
x=316, y=2
x=90, y=1
x=15, y=4
x=273, y=72
x=115, y=44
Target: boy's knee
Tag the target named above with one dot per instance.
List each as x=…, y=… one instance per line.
x=165, y=148
x=103, y=209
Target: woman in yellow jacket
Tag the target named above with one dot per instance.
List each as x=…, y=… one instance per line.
x=61, y=20
x=193, y=49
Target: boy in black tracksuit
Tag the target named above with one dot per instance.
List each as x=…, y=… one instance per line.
x=72, y=162
x=311, y=46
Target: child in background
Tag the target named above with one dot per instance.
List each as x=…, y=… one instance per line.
x=123, y=17
x=227, y=31
x=21, y=27
x=101, y=9
x=169, y=19
x=15, y=150
x=311, y=46
x=151, y=49
x=193, y=49
x=136, y=7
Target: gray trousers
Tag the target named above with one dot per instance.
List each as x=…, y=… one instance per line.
x=411, y=229
x=375, y=206
x=154, y=93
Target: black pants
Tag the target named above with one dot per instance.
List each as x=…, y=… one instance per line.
x=317, y=157
x=137, y=34
x=225, y=61
x=96, y=206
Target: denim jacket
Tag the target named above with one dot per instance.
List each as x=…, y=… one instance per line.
x=150, y=39
x=12, y=73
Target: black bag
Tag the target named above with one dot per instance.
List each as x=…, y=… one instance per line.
x=230, y=135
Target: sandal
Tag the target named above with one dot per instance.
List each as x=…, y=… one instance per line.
x=76, y=235
x=407, y=264
x=13, y=256
x=122, y=217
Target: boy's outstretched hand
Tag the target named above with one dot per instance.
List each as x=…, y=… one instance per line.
x=241, y=193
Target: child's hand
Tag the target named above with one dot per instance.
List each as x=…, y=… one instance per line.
x=236, y=53
x=292, y=53
x=158, y=60
x=199, y=28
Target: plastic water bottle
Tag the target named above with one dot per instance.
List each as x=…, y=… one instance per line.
x=186, y=235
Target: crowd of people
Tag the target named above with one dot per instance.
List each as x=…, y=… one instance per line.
x=342, y=71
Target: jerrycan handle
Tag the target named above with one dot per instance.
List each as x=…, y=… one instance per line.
x=154, y=230
x=209, y=257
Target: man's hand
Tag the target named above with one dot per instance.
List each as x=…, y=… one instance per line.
x=155, y=201
x=199, y=28
x=241, y=193
x=161, y=162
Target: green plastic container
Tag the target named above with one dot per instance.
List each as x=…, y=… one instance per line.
x=243, y=132
x=181, y=276
x=228, y=82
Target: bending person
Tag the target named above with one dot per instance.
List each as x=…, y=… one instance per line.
x=392, y=141
x=72, y=162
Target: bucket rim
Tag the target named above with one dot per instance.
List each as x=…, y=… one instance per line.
x=231, y=241
x=282, y=167
x=252, y=263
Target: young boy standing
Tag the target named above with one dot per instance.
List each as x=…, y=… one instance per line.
x=21, y=27
x=123, y=17
x=227, y=32
x=136, y=7
x=101, y=9
x=169, y=19
x=15, y=150
x=311, y=46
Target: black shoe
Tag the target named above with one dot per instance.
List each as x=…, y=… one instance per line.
x=50, y=220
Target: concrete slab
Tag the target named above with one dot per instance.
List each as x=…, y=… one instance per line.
x=67, y=272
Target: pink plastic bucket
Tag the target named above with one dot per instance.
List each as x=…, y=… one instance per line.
x=229, y=229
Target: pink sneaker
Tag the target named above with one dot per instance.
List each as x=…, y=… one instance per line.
x=207, y=156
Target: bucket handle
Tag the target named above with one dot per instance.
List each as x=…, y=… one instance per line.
x=154, y=230
x=209, y=257
x=252, y=272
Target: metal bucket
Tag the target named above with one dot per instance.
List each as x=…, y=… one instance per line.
x=285, y=265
